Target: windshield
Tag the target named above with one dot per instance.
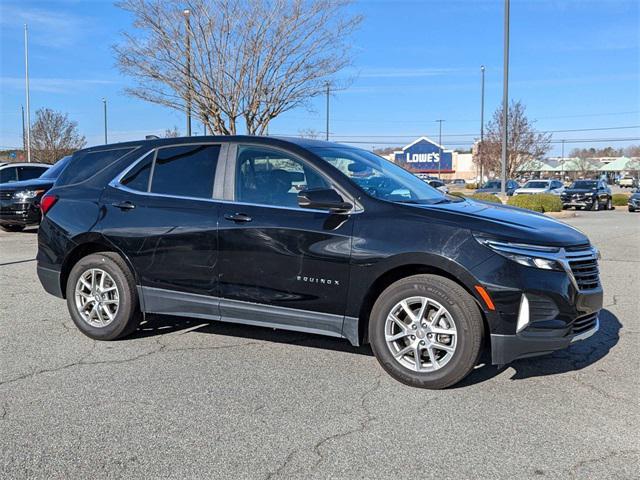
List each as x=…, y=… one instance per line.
x=378, y=177
x=584, y=184
x=536, y=185
x=492, y=184
x=54, y=171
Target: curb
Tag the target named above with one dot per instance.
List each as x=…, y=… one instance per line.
x=563, y=214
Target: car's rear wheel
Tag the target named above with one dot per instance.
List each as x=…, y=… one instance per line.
x=426, y=331
x=596, y=205
x=609, y=204
x=102, y=297
x=13, y=228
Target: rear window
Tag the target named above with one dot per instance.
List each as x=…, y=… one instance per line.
x=84, y=165
x=29, y=173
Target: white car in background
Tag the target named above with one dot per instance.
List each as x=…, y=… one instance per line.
x=438, y=184
x=554, y=187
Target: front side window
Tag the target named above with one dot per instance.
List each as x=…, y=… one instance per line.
x=138, y=176
x=378, y=177
x=271, y=177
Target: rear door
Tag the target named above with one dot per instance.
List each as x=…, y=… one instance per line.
x=162, y=214
x=292, y=261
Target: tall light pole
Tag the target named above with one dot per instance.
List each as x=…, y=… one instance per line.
x=104, y=106
x=26, y=81
x=186, y=13
x=24, y=140
x=440, y=145
x=481, y=122
x=562, y=163
x=327, y=119
x=505, y=100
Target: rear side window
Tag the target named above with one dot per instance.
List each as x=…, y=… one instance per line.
x=28, y=173
x=84, y=165
x=8, y=174
x=138, y=176
x=186, y=171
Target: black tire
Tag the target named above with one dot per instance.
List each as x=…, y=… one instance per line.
x=13, y=228
x=631, y=209
x=596, y=205
x=609, y=204
x=463, y=310
x=127, y=317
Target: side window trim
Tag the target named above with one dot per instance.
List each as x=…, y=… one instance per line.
x=117, y=181
x=230, y=183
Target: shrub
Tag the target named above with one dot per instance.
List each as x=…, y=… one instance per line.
x=470, y=186
x=620, y=199
x=487, y=197
x=458, y=194
x=537, y=202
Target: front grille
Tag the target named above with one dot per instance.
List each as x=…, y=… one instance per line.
x=579, y=248
x=582, y=324
x=5, y=195
x=585, y=272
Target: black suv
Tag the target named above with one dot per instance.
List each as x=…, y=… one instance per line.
x=316, y=237
x=20, y=201
x=591, y=194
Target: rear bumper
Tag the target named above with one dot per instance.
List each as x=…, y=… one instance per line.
x=20, y=214
x=50, y=280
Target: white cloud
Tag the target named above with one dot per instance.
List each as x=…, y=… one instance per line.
x=53, y=85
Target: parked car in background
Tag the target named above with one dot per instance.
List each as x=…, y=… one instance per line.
x=591, y=194
x=554, y=187
x=439, y=184
x=294, y=234
x=16, y=172
x=628, y=182
x=458, y=181
x=425, y=177
x=20, y=200
x=494, y=186
x=634, y=201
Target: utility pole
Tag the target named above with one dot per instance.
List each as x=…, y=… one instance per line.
x=505, y=100
x=327, y=126
x=440, y=145
x=481, y=124
x=562, y=163
x=24, y=140
x=104, y=105
x=186, y=13
x=26, y=81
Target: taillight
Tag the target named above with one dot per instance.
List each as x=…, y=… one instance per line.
x=47, y=202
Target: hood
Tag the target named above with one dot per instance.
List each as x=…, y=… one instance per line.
x=579, y=190
x=27, y=184
x=507, y=223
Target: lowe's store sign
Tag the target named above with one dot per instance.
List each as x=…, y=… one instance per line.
x=425, y=156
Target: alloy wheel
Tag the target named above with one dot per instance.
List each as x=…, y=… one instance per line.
x=97, y=298
x=421, y=334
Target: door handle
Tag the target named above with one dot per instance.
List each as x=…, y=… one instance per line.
x=237, y=217
x=127, y=205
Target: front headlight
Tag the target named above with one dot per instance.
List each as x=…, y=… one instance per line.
x=536, y=256
x=27, y=194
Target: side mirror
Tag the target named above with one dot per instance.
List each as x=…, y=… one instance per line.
x=323, y=199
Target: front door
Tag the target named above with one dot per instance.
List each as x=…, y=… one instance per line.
x=293, y=262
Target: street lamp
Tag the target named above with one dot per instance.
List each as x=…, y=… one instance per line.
x=104, y=105
x=440, y=145
x=481, y=123
x=186, y=12
x=327, y=119
x=26, y=82
x=505, y=99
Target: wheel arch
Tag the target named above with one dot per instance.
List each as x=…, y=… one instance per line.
x=86, y=245
x=405, y=266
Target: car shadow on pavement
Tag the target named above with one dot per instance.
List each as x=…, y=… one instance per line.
x=576, y=357
x=165, y=324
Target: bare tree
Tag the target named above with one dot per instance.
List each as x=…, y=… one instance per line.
x=53, y=136
x=524, y=142
x=596, y=152
x=235, y=60
x=171, y=132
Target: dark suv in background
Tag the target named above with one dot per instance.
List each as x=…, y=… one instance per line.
x=591, y=194
x=316, y=237
x=20, y=200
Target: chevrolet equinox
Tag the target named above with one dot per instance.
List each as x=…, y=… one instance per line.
x=316, y=237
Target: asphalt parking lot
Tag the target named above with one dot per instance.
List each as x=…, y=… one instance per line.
x=192, y=399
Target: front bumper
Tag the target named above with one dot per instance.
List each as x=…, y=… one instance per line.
x=19, y=213
x=578, y=202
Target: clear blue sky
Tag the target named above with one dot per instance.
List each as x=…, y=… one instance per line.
x=575, y=65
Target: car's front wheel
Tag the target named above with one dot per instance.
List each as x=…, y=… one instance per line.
x=426, y=331
x=102, y=297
